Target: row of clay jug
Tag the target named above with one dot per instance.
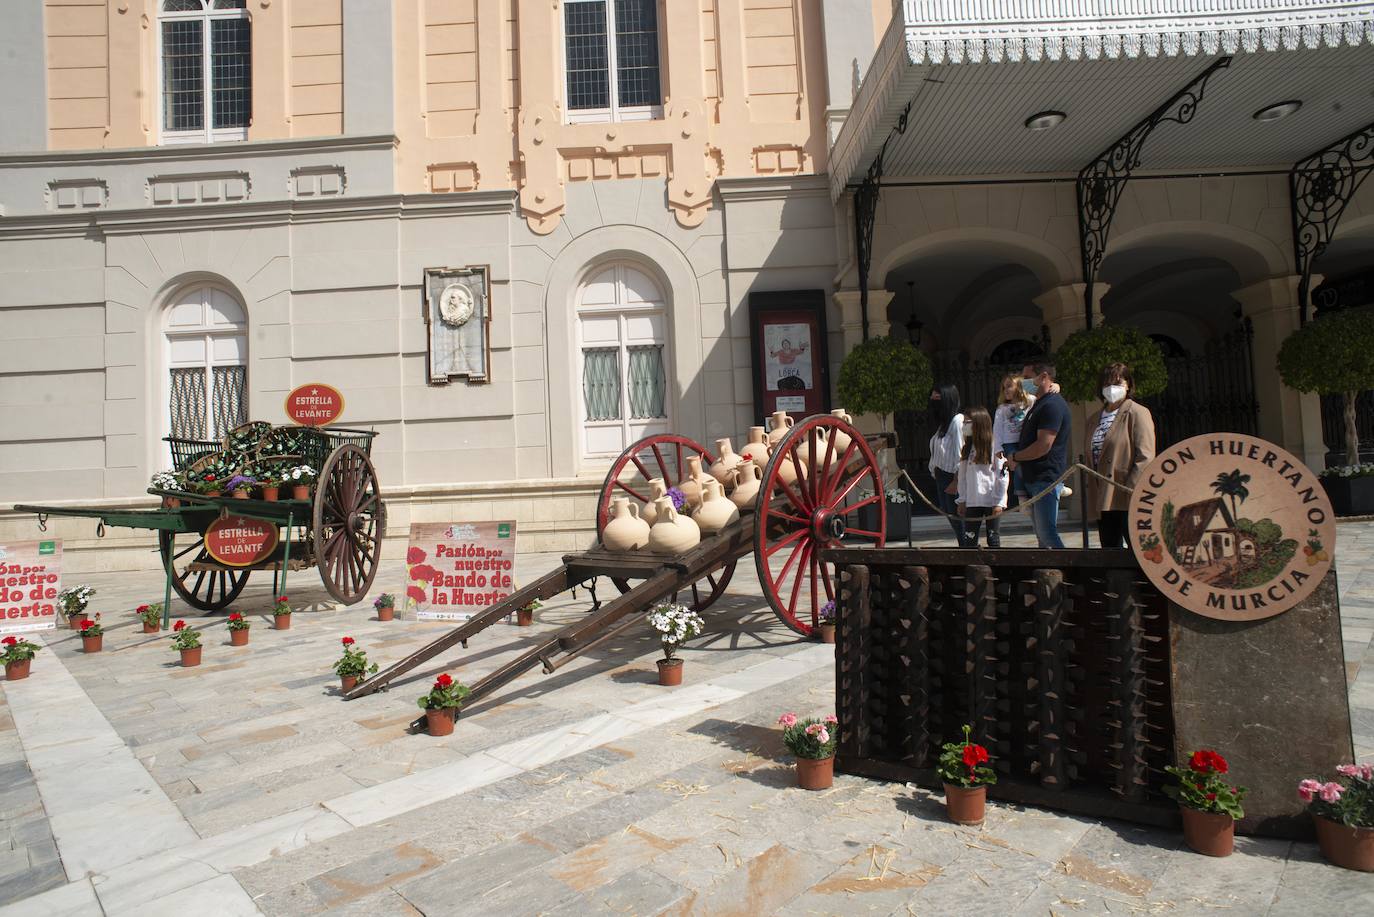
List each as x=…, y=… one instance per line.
x=671, y=531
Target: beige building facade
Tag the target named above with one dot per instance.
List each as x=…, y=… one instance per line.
x=204, y=203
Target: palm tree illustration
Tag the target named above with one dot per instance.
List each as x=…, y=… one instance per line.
x=1232, y=484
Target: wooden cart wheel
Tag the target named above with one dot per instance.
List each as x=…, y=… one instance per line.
x=201, y=587
x=349, y=522
x=809, y=486
x=662, y=456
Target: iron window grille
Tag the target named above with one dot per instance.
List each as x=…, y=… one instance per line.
x=205, y=54
x=612, y=60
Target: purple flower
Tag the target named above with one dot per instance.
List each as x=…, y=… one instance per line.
x=828, y=612
x=240, y=480
x=678, y=497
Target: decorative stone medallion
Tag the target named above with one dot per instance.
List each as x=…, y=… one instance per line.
x=455, y=305
x=1232, y=527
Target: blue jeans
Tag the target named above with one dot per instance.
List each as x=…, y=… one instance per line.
x=1044, y=515
x=949, y=503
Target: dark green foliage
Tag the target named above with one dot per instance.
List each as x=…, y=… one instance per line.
x=1082, y=357
x=884, y=375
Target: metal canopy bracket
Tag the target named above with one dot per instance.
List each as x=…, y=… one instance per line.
x=1321, y=186
x=866, y=214
x=1103, y=180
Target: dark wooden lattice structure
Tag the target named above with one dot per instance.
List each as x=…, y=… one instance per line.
x=1058, y=659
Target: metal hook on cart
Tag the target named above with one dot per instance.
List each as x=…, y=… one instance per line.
x=100, y=529
x=42, y=522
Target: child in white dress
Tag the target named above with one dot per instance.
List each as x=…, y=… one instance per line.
x=983, y=481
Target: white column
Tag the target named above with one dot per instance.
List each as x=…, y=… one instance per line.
x=24, y=75
x=368, y=94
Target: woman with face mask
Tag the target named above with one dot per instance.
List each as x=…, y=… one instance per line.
x=1121, y=442
x=946, y=448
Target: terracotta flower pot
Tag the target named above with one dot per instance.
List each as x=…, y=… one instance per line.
x=386, y=613
x=440, y=722
x=524, y=617
x=1349, y=848
x=270, y=493
x=300, y=491
x=191, y=657
x=238, y=637
x=670, y=672
x=14, y=671
x=815, y=773
x=348, y=682
x=93, y=644
x=965, y=805
x=826, y=632
x=171, y=502
x=240, y=493
x=74, y=622
x=1210, y=833
x=282, y=622
x=151, y=628
x=214, y=493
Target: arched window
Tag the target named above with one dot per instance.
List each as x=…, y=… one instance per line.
x=1171, y=347
x=1016, y=352
x=206, y=63
x=206, y=335
x=622, y=342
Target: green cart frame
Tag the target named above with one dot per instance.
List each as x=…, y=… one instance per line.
x=339, y=531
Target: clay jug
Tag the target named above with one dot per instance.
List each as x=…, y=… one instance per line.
x=672, y=533
x=781, y=424
x=717, y=511
x=842, y=439
x=626, y=531
x=756, y=450
x=691, y=484
x=746, y=486
x=724, y=468
x=649, y=512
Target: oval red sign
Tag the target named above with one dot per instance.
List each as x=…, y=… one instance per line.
x=314, y=405
x=237, y=541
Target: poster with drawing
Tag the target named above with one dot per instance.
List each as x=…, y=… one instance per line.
x=458, y=316
x=787, y=362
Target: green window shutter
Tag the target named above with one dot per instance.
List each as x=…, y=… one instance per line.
x=647, y=382
x=601, y=382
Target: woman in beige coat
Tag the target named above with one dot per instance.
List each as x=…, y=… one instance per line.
x=1120, y=443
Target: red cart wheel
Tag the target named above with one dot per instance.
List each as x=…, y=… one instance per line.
x=349, y=522
x=662, y=456
x=812, y=482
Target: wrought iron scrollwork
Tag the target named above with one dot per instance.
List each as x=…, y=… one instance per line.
x=866, y=213
x=1321, y=185
x=1102, y=181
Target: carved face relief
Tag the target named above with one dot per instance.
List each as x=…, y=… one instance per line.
x=455, y=305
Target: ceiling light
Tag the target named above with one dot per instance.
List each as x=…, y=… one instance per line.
x=1043, y=121
x=1277, y=110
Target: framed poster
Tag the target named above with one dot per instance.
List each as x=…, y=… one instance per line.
x=791, y=356
x=458, y=322
x=456, y=570
x=30, y=578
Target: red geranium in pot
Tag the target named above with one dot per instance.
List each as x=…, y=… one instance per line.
x=18, y=654
x=1209, y=804
x=964, y=769
x=281, y=613
x=353, y=665
x=151, y=616
x=442, y=703
x=92, y=634
x=1343, y=812
x=187, y=642
x=238, y=629
x=813, y=743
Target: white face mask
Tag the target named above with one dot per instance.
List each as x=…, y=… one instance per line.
x=968, y=429
x=1111, y=394
x=1029, y=387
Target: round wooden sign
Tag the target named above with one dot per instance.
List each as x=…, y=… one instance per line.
x=1232, y=527
x=237, y=541
x=314, y=405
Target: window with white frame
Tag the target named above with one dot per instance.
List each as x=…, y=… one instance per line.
x=622, y=341
x=205, y=56
x=206, y=391
x=611, y=57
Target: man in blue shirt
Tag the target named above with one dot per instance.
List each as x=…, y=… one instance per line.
x=1043, y=452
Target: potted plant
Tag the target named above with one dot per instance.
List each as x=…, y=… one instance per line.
x=1209, y=804
x=825, y=630
x=881, y=376
x=898, y=526
x=386, y=606
x=151, y=616
x=281, y=613
x=187, y=641
x=353, y=665
x=238, y=629
x=92, y=634
x=73, y=603
x=1343, y=812
x=965, y=772
x=1334, y=355
x=300, y=478
x=240, y=485
x=18, y=654
x=269, y=485
x=676, y=624
x=167, y=480
x=1079, y=361
x=812, y=742
x=1350, y=488
x=442, y=703
x=524, y=616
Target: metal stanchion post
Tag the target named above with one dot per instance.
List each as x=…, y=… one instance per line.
x=1083, y=502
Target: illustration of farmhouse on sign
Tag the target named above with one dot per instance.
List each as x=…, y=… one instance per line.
x=1206, y=534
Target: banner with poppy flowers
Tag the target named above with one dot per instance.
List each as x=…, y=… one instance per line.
x=456, y=570
x=30, y=579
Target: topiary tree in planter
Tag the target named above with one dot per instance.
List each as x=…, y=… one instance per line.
x=884, y=375
x=1333, y=355
x=1083, y=355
